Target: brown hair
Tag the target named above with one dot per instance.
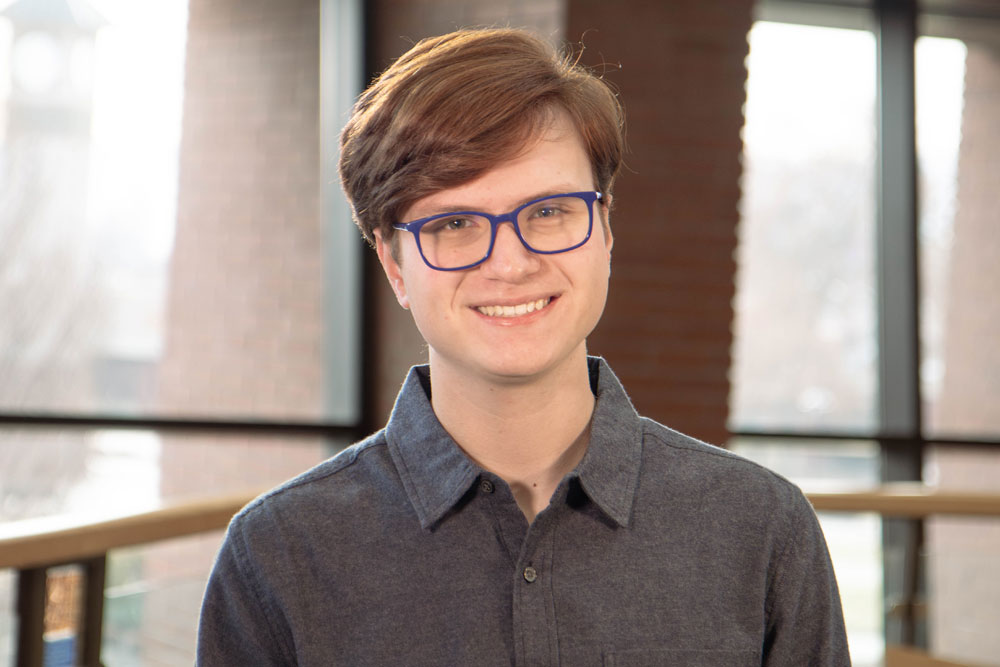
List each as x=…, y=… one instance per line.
x=453, y=106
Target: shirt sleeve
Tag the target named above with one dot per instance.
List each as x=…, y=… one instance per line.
x=805, y=621
x=236, y=627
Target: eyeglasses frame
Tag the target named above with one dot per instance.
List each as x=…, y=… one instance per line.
x=414, y=227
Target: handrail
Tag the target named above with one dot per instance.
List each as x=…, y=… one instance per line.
x=35, y=542
x=909, y=500
x=69, y=538
x=907, y=656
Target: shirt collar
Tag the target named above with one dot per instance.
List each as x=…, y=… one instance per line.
x=436, y=473
x=609, y=472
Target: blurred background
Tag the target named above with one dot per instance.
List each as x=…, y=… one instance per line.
x=806, y=270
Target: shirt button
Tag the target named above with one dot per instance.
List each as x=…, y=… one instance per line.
x=486, y=486
x=530, y=574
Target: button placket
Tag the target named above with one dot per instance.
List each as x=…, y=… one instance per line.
x=533, y=620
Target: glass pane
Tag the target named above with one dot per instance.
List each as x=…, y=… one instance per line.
x=961, y=557
x=958, y=143
x=138, y=276
x=805, y=341
x=46, y=473
x=855, y=540
x=88, y=172
x=152, y=601
x=64, y=592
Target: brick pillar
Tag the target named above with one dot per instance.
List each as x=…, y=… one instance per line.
x=963, y=552
x=970, y=389
x=244, y=324
x=244, y=318
x=667, y=327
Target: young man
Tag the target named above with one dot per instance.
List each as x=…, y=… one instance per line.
x=515, y=510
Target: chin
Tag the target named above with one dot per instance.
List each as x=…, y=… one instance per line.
x=522, y=368
x=513, y=373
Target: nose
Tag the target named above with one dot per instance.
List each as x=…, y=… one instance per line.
x=510, y=260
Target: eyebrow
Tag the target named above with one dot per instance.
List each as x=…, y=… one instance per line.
x=459, y=208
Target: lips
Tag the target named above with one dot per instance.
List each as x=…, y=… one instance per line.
x=515, y=310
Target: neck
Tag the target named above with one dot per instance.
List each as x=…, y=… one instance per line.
x=529, y=433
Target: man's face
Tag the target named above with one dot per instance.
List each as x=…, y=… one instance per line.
x=456, y=312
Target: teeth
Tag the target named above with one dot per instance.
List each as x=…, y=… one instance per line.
x=512, y=311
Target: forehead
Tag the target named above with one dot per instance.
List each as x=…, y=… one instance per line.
x=553, y=161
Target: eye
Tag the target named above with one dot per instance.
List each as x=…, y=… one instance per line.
x=457, y=223
x=548, y=211
x=449, y=224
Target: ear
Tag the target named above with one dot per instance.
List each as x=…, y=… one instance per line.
x=609, y=238
x=391, y=268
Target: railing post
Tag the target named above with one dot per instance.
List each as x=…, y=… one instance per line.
x=88, y=648
x=31, y=616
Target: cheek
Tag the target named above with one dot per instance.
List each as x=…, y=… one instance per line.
x=593, y=275
x=602, y=263
x=602, y=274
x=601, y=294
x=431, y=295
x=424, y=316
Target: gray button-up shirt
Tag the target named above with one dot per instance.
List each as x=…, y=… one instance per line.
x=657, y=550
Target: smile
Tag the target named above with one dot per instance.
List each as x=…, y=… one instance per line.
x=514, y=311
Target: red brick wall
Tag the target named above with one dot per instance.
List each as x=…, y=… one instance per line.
x=666, y=330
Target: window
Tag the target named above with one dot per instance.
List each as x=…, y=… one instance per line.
x=864, y=314
x=179, y=291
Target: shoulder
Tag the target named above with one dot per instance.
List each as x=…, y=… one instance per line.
x=348, y=481
x=696, y=469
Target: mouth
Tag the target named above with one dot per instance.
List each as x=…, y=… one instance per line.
x=514, y=311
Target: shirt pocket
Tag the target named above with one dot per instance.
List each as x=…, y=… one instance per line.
x=667, y=657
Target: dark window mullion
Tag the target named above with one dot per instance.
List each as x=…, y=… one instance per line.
x=899, y=350
x=53, y=421
x=341, y=34
x=898, y=303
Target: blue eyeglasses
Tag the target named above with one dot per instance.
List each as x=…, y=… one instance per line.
x=464, y=239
